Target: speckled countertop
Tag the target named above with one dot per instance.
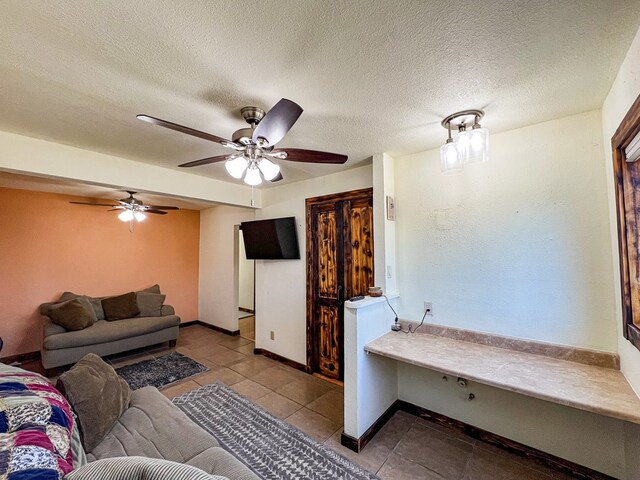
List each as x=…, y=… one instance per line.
x=604, y=391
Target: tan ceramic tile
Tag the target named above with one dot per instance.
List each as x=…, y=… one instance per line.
x=486, y=465
x=274, y=377
x=399, y=468
x=234, y=342
x=222, y=374
x=179, y=388
x=370, y=458
x=227, y=358
x=313, y=424
x=199, y=340
x=252, y=365
x=278, y=405
x=330, y=405
x=250, y=389
x=446, y=455
x=482, y=450
x=206, y=350
x=246, y=349
x=393, y=431
x=202, y=334
x=303, y=391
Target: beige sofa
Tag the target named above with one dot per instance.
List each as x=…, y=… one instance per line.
x=153, y=427
x=61, y=347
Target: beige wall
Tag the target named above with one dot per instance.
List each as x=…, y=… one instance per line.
x=518, y=246
x=281, y=284
x=218, y=286
x=623, y=93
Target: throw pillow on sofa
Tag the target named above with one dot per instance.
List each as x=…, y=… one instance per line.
x=72, y=314
x=96, y=303
x=122, y=306
x=98, y=396
x=139, y=468
x=152, y=289
x=150, y=304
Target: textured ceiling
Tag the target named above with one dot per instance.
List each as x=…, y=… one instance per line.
x=54, y=185
x=372, y=76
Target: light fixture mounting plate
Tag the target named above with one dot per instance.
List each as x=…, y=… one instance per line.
x=252, y=115
x=466, y=117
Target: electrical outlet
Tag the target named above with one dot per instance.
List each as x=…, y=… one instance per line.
x=389, y=274
x=428, y=306
x=272, y=335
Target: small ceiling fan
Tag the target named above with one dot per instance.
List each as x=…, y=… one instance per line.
x=132, y=208
x=253, y=147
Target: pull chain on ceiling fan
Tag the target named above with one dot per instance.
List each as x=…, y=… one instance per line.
x=254, y=146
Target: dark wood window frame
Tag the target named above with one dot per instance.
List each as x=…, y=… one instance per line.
x=627, y=188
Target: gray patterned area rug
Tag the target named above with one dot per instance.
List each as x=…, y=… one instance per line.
x=160, y=372
x=272, y=448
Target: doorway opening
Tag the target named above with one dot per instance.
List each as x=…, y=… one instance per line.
x=246, y=292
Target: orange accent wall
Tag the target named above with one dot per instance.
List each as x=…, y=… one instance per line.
x=48, y=246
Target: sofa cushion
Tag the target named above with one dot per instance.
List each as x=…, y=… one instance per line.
x=121, y=306
x=96, y=303
x=98, y=396
x=149, y=428
x=72, y=315
x=150, y=304
x=139, y=468
x=153, y=427
x=51, y=328
x=103, y=331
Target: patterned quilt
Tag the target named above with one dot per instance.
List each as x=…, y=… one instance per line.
x=35, y=428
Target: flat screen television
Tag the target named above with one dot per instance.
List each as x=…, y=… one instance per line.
x=273, y=239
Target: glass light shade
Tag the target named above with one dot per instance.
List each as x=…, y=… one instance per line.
x=450, y=161
x=253, y=176
x=236, y=166
x=269, y=169
x=478, y=145
x=126, y=216
x=462, y=141
x=140, y=216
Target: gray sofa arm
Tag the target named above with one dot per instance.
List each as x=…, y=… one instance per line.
x=167, y=310
x=50, y=328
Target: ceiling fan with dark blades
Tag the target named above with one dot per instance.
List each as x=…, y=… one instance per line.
x=131, y=208
x=253, y=147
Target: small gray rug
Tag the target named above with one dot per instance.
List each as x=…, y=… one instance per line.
x=272, y=448
x=160, y=372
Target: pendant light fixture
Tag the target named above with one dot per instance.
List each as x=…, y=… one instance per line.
x=467, y=146
x=450, y=159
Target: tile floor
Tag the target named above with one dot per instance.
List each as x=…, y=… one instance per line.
x=247, y=325
x=407, y=447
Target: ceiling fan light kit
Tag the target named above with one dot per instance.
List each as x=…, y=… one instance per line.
x=131, y=209
x=254, y=146
x=467, y=146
